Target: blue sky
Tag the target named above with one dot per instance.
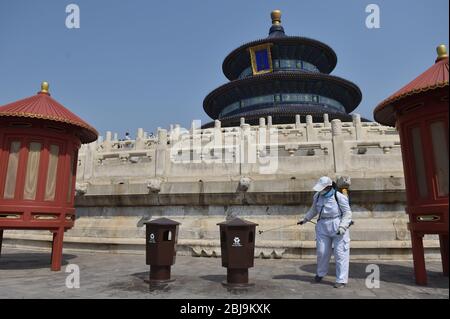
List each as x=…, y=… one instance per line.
x=150, y=63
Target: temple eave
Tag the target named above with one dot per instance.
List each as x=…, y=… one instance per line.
x=325, y=57
x=329, y=86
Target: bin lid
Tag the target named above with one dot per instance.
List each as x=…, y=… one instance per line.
x=162, y=221
x=237, y=222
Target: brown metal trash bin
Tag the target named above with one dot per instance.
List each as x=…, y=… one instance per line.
x=237, y=241
x=161, y=240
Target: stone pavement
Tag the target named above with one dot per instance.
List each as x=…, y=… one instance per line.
x=26, y=274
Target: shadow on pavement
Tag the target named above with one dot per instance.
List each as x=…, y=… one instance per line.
x=389, y=273
x=141, y=275
x=306, y=279
x=215, y=278
x=29, y=260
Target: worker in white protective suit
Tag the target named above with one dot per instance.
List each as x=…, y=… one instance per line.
x=334, y=219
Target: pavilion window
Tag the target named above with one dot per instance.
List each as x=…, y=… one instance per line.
x=285, y=97
x=265, y=99
x=11, y=173
x=230, y=108
x=32, y=171
x=440, y=154
x=50, y=187
x=421, y=179
x=235, y=106
x=309, y=67
x=286, y=64
x=247, y=72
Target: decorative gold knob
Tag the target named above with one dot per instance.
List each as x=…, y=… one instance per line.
x=276, y=17
x=44, y=87
x=442, y=52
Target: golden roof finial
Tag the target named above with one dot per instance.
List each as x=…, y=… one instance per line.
x=44, y=87
x=276, y=17
x=442, y=52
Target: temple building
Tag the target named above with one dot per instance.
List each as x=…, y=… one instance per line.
x=281, y=76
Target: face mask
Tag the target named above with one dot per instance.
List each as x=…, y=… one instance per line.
x=327, y=193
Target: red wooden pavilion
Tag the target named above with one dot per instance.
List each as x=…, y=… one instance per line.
x=419, y=111
x=39, y=142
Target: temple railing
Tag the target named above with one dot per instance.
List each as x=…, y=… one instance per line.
x=360, y=149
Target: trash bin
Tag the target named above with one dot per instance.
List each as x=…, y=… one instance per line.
x=161, y=240
x=237, y=241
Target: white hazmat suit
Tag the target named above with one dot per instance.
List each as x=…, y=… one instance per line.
x=331, y=217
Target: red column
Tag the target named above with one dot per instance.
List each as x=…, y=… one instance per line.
x=57, y=247
x=443, y=239
x=1, y=240
x=419, y=258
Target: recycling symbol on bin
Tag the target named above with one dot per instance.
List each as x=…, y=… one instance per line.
x=237, y=242
x=152, y=238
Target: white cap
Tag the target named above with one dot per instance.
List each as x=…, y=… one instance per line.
x=323, y=182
